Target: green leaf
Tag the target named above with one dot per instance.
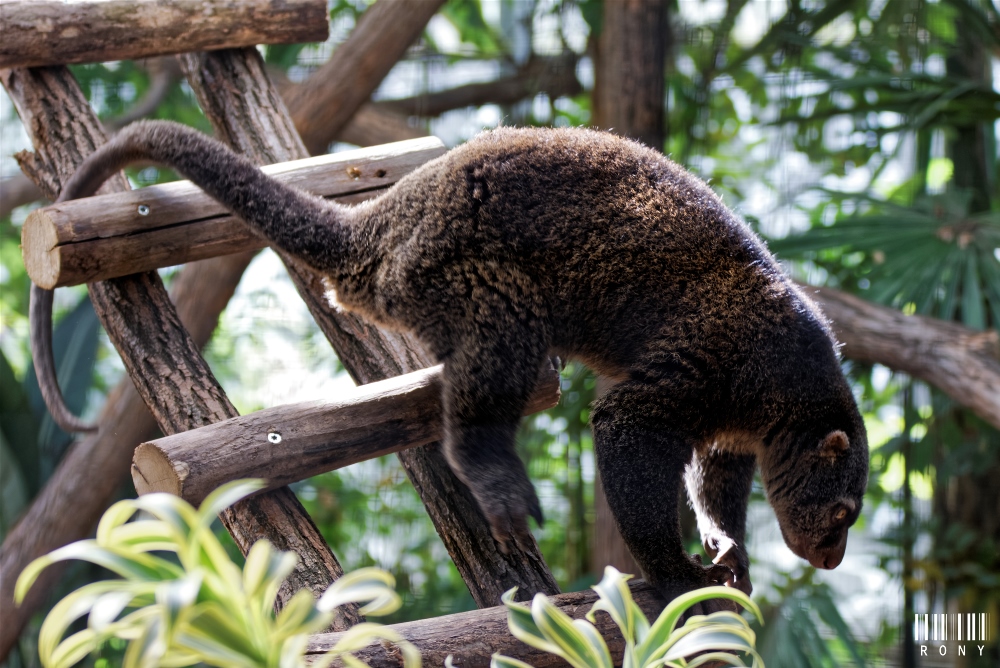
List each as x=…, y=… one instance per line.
x=135, y=566
x=615, y=598
x=362, y=635
x=658, y=640
x=294, y=614
x=501, y=661
x=522, y=625
x=559, y=629
x=225, y=496
x=723, y=657
x=365, y=584
x=706, y=639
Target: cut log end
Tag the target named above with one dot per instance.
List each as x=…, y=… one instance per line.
x=39, y=239
x=152, y=471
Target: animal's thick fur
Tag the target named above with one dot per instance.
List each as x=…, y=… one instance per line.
x=528, y=242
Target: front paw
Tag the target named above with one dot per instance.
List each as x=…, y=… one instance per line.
x=690, y=575
x=726, y=552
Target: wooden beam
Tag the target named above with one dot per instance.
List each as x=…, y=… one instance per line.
x=52, y=32
x=289, y=443
x=96, y=238
x=471, y=638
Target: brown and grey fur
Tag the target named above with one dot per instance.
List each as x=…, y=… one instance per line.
x=525, y=243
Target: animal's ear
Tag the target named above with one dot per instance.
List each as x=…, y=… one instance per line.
x=833, y=444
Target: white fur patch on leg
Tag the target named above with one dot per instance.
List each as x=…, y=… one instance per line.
x=331, y=296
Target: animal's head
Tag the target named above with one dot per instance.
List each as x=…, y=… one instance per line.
x=815, y=478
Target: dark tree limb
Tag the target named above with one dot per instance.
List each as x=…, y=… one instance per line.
x=164, y=74
x=962, y=363
x=555, y=76
x=340, y=86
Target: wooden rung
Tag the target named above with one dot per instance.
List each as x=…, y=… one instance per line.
x=54, y=32
x=289, y=443
x=96, y=238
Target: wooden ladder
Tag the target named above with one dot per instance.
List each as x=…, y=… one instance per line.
x=177, y=385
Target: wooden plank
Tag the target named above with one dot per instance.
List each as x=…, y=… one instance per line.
x=248, y=115
x=472, y=637
x=289, y=443
x=53, y=32
x=97, y=238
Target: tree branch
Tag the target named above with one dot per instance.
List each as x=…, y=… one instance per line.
x=384, y=32
x=962, y=363
x=555, y=76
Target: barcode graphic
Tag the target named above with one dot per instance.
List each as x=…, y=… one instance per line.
x=959, y=627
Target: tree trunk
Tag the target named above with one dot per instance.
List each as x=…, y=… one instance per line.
x=629, y=89
x=628, y=99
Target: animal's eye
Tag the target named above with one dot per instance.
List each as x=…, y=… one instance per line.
x=840, y=514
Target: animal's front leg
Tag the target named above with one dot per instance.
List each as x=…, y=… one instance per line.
x=718, y=484
x=642, y=458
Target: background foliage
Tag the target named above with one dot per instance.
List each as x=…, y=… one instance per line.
x=859, y=137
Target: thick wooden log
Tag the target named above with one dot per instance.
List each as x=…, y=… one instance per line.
x=248, y=115
x=52, y=32
x=97, y=238
x=471, y=638
x=289, y=443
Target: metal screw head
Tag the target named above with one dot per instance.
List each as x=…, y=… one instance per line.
x=274, y=437
x=143, y=210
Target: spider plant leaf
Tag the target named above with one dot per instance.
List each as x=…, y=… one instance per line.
x=373, y=586
x=522, y=624
x=660, y=634
x=225, y=496
x=294, y=614
x=501, y=661
x=131, y=566
x=721, y=657
x=142, y=536
x=706, y=639
x=615, y=598
x=573, y=644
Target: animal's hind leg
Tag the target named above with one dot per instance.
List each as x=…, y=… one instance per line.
x=488, y=380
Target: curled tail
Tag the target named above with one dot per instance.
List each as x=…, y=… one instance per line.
x=303, y=225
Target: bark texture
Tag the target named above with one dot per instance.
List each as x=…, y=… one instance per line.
x=97, y=238
x=630, y=86
x=248, y=114
x=285, y=444
x=472, y=637
x=963, y=363
x=44, y=32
